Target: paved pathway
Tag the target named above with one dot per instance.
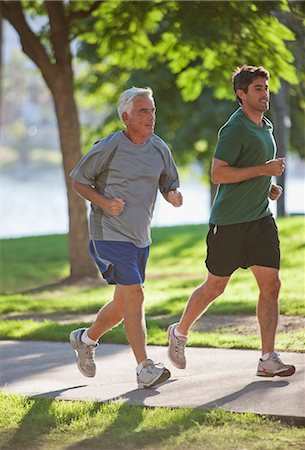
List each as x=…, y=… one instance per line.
x=214, y=377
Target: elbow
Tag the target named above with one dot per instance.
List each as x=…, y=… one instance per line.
x=76, y=186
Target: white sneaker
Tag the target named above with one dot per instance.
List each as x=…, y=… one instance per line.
x=176, y=348
x=274, y=366
x=150, y=375
x=84, y=353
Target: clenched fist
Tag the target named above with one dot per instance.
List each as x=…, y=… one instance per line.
x=114, y=206
x=275, y=167
x=275, y=192
x=175, y=198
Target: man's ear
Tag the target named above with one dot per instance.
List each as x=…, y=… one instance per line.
x=125, y=116
x=240, y=93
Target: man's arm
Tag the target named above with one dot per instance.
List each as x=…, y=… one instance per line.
x=223, y=173
x=113, y=206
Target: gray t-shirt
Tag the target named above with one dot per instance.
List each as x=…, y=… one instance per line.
x=116, y=167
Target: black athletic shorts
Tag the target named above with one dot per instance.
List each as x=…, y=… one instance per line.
x=242, y=245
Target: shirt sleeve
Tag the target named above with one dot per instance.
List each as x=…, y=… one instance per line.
x=229, y=144
x=169, y=178
x=91, y=165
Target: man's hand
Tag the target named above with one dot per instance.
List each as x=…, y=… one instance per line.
x=275, y=192
x=274, y=167
x=175, y=198
x=114, y=206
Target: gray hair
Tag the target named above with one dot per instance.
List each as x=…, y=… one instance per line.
x=126, y=100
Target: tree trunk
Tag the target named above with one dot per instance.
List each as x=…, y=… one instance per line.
x=58, y=75
x=282, y=124
x=81, y=263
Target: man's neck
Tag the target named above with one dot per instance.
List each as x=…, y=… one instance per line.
x=134, y=137
x=255, y=116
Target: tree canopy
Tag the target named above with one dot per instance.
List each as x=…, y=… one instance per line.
x=197, y=44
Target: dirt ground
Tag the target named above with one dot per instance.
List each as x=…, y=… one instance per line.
x=246, y=324
x=209, y=323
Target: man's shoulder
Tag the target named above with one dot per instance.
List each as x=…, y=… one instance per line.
x=235, y=124
x=235, y=120
x=107, y=140
x=158, y=142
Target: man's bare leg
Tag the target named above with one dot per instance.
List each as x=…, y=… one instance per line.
x=267, y=308
x=134, y=319
x=109, y=315
x=200, y=300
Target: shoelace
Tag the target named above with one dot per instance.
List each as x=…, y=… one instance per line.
x=150, y=367
x=276, y=357
x=180, y=346
x=90, y=351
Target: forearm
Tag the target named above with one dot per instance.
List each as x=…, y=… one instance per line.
x=230, y=174
x=223, y=173
x=89, y=193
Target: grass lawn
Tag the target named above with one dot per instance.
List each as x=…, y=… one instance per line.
x=44, y=424
x=32, y=301
x=33, y=266
x=176, y=266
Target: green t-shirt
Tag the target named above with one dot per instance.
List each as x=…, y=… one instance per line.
x=242, y=143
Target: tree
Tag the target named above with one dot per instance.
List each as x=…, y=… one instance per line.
x=50, y=50
x=195, y=49
x=199, y=41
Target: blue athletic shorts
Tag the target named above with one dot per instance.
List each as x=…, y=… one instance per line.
x=120, y=262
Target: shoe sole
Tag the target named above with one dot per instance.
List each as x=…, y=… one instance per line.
x=168, y=353
x=285, y=373
x=164, y=376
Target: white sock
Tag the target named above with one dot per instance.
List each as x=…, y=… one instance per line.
x=265, y=356
x=140, y=366
x=177, y=334
x=86, y=340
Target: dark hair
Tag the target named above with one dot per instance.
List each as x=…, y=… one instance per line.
x=243, y=76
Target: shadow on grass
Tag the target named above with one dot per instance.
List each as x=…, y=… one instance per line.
x=39, y=421
x=83, y=284
x=128, y=428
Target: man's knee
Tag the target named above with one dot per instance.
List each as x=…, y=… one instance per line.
x=212, y=289
x=132, y=295
x=272, y=289
x=218, y=289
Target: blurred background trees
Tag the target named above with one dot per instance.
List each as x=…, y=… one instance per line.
x=89, y=51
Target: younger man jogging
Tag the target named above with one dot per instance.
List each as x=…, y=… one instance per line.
x=242, y=230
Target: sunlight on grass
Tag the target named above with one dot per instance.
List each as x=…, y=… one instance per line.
x=176, y=267
x=56, y=424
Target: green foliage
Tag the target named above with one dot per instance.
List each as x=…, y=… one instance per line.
x=201, y=42
x=196, y=46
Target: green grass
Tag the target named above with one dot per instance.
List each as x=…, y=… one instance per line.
x=39, y=423
x=176, y=266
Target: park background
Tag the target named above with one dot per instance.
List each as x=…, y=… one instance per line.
x=189, y=70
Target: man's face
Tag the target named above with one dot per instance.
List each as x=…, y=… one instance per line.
x=257, y=97
x=141, y=121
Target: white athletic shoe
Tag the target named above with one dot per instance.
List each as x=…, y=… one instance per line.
x=274, y=366
x=152, y=374
x=176, y=348
x=84, y=353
